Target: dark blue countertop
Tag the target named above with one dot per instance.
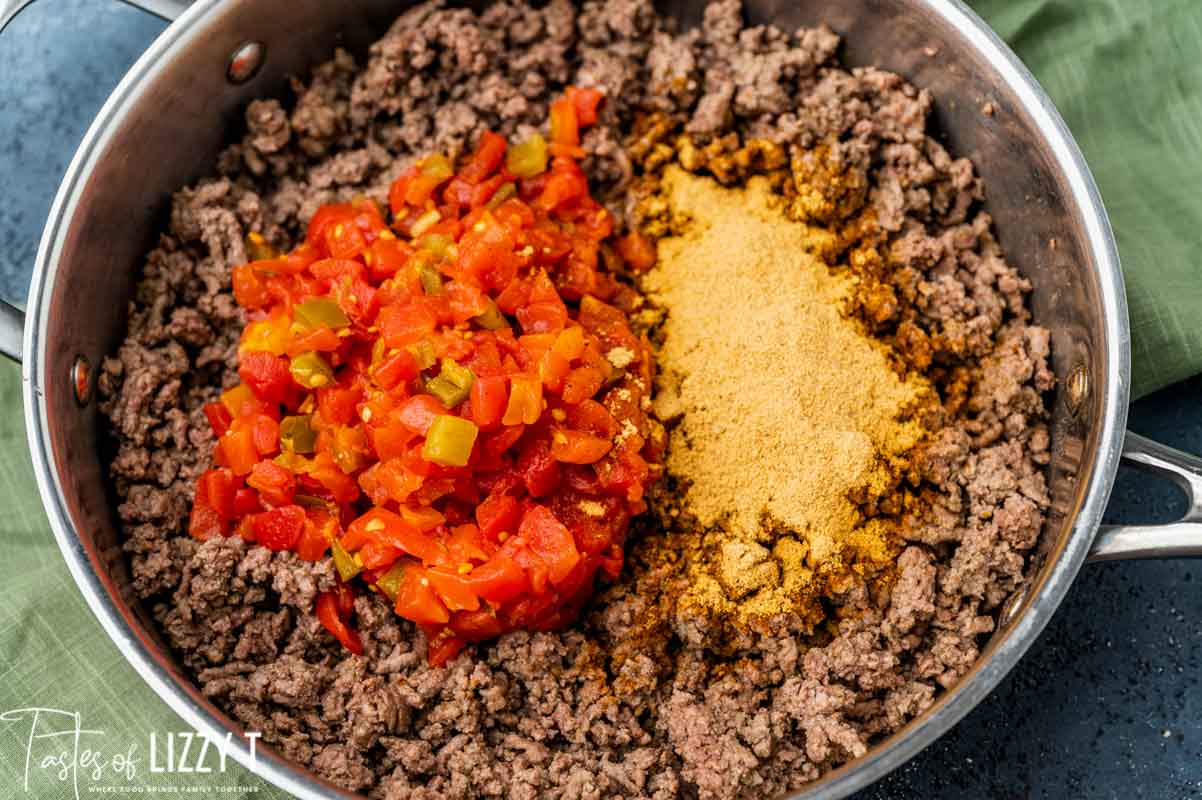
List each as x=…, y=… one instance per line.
x=1104, y=705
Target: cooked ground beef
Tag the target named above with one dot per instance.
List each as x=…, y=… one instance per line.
x=604, y=709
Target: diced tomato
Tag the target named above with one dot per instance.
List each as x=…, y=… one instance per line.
x=417, y=601
x=525, y=404
x=335, y=271
x=399, y=189
x=498, y=514
x=265, y=433
x=219, y=417
x=514, y=295
x=358, y=299
x=391, y=440
x=267, y=376
x=419, y=412
x=275, y=484
x=397, y=481
x=488, y=156
x=467, y=544
x=585, y=100
x=388, y=256
x=563, y=187
x=502, y=541
x=465, y=301
x=296, y=262
x=337, y=404
x=489, y=397
x=341, y=486
x=250, y=288
x=551, y=540
x=405, y=325
x=320, y=340
x=539, y=470
x=391, y=529
x=590, y=416
x=477, y=626
x=313, y=544
x=581, y=384
x=395, y=369
x=343, y=239
x=205, y=523
x=498, y=580
x=543, y=317
x=422, y=518
x=324, y=217
x=637, y=250
x=486, y=253
x=217, y=489
x=239, y=451
x=420, y=187
x=332, y=621
x=246, y=502
x=279, y=528
x=565, y=127
x=574, y=447
x=484, y=191
x=443, y=648
x=453, y=589
x=377, y=555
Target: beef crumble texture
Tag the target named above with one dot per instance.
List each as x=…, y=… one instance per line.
x=637, y=700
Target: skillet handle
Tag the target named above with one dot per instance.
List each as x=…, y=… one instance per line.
x=12, y=330
x=12, y=319
x=1180, y=538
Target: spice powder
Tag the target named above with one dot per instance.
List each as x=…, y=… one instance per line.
x=788, y=416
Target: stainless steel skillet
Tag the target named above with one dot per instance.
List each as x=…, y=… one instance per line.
x=164, y=123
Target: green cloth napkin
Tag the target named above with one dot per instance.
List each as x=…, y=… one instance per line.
x=1126, y=77
x=54, y=655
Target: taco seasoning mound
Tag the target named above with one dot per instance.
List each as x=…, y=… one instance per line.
x=788, y=417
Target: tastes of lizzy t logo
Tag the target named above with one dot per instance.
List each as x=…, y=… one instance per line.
x=59, y=749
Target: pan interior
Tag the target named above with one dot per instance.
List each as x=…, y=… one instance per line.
x=164, y=126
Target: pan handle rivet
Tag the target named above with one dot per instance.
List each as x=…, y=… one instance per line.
x=245, y=61
x=81, y=380
x=1076, y=389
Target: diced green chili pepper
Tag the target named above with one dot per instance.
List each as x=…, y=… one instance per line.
x=437, y=166
x=309, y=501
x=423, y=351
x=297, y=434
x=311, y=371
x=344, y=562
x=452, y=384
x=449, y=441
x=529, y=158
x=431, y=279
x=320, y=312
x=492, y=319
x=506, y=191
x=437, y=243
x=457, y=374
x=447, y=393
x=390, y=582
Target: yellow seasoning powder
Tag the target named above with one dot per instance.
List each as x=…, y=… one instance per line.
x=788, y=416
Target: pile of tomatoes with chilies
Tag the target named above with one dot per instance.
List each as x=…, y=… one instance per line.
x=449, y=399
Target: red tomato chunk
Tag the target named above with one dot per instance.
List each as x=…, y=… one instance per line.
x=446, y=397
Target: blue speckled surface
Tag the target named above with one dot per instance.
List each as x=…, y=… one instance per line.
x=1106, y=704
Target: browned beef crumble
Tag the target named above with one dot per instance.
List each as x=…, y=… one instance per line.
x=604, y=709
